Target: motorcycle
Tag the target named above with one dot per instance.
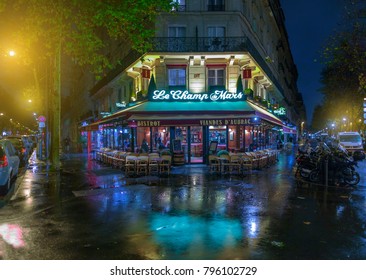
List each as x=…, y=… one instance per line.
x=341, y=171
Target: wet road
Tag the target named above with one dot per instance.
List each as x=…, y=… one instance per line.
x=91, y=211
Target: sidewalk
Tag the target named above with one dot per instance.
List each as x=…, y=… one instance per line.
x=85, y=172
x=80, y=172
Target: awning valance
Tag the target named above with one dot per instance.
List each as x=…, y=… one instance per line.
x=189, y=120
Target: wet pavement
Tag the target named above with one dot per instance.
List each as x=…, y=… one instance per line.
x=91, y=211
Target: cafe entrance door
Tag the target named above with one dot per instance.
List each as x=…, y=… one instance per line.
x=191, y=141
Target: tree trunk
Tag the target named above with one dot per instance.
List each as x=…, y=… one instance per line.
x=56, y=113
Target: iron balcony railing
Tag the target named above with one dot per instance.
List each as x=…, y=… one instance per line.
x=199, y=44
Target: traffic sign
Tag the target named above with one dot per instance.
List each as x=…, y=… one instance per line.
x=41, y=118
x=41, y=124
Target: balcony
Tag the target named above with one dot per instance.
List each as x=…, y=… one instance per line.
x=200, y=44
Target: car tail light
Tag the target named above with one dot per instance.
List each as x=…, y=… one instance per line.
x=4, y=161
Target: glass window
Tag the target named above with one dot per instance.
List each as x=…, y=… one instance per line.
x=177, y=77
x=180, y=5
x=218, y=133
x=216, y=31
x=216, y=77
x=143, y=139
x=177, y=35
x=216, y=5
x=216, y=2
x=196, y=144
x=177, y=31
x=161, y=138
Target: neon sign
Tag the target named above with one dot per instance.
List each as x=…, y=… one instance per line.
x=121, y=104
x=280, y=111
x=184, y=95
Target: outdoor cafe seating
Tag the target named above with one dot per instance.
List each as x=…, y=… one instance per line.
x=241, y=163
x=143, y=164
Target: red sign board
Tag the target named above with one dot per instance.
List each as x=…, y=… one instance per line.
x=247, y=73
x=145, y=73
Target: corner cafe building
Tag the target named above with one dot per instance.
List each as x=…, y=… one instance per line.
x=189, y=123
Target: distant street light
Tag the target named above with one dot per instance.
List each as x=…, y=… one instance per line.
x=12, y=53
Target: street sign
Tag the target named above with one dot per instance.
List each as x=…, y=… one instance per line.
x=41, y=118
x=41, y=124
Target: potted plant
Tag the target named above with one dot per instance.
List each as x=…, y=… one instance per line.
x=249, y=93
x=257, y=98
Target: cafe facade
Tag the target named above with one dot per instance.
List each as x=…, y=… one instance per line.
x=197, y=109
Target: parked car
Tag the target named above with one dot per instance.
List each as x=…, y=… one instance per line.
x=352, y=142
x=9, y=165
x=26, y=149
x=20, y=149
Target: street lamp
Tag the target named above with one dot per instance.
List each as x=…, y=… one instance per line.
x=333, y=127
x=302, y=129
x=2, y=123
x=344, y=124
x=11, y=53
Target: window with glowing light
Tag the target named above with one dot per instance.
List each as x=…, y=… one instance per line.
x=177, y=76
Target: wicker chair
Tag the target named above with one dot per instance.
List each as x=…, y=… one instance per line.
x=165, y=164
x=235, y=164
x=130, y=166
x=246, y=164
x=154, y=164
x=214, y=164
x=142, y=163
x=225, y=163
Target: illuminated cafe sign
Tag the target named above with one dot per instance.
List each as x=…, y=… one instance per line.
x=185, y=95
x=121, y=104
x=225, y=122
x=280, y=111
x=156, y=123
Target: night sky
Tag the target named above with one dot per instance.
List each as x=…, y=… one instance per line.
x=309, y=23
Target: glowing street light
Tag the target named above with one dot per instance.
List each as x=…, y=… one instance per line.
x=11, y=53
